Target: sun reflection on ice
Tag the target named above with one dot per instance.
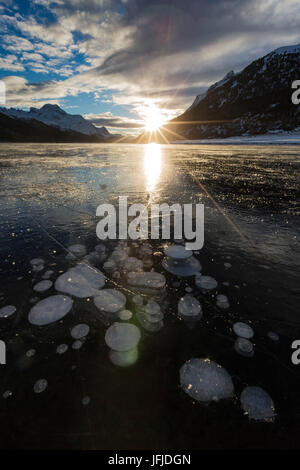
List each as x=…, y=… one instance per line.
x=152, y=165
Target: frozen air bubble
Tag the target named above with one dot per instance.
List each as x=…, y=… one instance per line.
x=205, y=283
x=80, y=331
x=125, y=315
x=40, y=386
x=62, y=348
x=243, y=330
x=273, y=336
x=205, y=381
x=222, y=301
x=50, y=310
x=257, y=404
x=81, y=281
x=7, y=311
x=42, y=286
x=122, y=336
x=110, y=300
x=244, y=347
x=189, y=308
x=77, y=250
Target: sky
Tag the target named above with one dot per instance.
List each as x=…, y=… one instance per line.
x=110, y=60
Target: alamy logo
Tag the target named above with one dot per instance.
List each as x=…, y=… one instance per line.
x=2, y=93
x=188, y=221
x=2, y=352
x=296, y=354
x=296, y=94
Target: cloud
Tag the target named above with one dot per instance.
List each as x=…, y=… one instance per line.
x=165, y=51
x=109, y=120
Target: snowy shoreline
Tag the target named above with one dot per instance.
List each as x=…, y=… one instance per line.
x=264, y=139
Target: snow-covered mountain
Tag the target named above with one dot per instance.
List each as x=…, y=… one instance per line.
x=53, y=115
x=254, y=101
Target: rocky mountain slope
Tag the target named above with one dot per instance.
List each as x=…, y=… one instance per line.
x=254, y=101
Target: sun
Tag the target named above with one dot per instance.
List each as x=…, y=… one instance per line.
x=154, y=118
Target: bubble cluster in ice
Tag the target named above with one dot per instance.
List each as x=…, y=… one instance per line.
x=122, y=336
x=243, y=330
x=7, y=311
x=80, y=331
x=50, y=310
x=205, y=283
x=150, y=280
x=110, y=300
x=189, y=308
x=40, y=386
x=81, y=281
x=150, y=316
x=205, y=381
x=42, y=286
x=257, y=404
x=180, y=261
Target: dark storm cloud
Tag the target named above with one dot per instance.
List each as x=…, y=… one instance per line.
x=167, y=27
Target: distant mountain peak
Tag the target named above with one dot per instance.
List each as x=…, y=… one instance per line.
x=53, y=115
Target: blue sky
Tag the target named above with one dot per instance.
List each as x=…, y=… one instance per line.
x=111, y=59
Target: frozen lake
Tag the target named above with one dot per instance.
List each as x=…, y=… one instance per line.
x=48, y=200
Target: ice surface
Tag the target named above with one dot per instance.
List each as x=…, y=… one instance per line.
x=80, y=331
x=81, y=281
x=189, y=308
x=148, y=279
x=257, y=404
x=205, y=381
x=244, y=347
x=7, y=311
x=50, y=310
x=40, y=385
x=243, y=330
x=122, y=337
x=205, y=283
x=42, y=286
x=177, y=252
x=110, y=300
